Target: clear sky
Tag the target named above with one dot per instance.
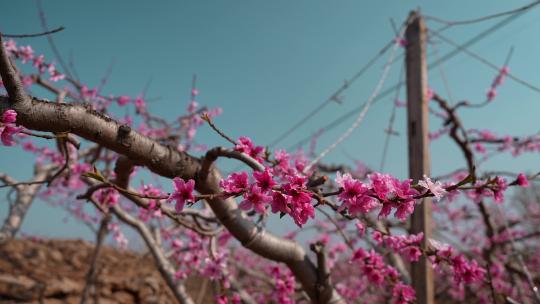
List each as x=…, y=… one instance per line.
x=268, y=63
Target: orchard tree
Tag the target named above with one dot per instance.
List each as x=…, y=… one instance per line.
x=484, y=249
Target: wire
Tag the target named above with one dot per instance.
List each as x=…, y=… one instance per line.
x=462, y=22
x=390, y=129
x=341, y=119
x=366, y=107
x=443, y=74
x=335, y=96
x=462, y=48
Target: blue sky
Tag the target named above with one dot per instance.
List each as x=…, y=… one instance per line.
x=268, y=63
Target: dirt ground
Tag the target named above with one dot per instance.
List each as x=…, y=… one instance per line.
x=54, y=271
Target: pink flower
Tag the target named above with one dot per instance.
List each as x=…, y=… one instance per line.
x=194, y=92
x=245, y=145
x=192, y=106
x=377, y=236
x=108, y=196
x=522, y=180
x=26, y=53
x=235, y=183
x=491, y=94
x=9, y=117
x=87, y=93
x=403, y=190
x=55, y=75
x=38, y=62
x=279, y=203
x=8, y=128
x=295, y=189
x=355, y=195
x=435, y=188
x=140, y=104
x=123, y=100
x=381, y=184
x=255, y=199
x=10, y=45
x=403, y=294
x=404, y=209
x=361, y=204
x=468, y=272
x=360, y=227
x=7, y=135
x=264, y=180
x=183, y=192
x=500, y=186
x=499, y=80
x=283, y=159
x=480, y=148
x=301, y=212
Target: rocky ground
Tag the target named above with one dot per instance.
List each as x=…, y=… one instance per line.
x=54, y=271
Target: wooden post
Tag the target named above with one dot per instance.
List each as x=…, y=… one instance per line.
x=419, y=158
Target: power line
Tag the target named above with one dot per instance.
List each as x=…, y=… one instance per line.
x=335, y=96
x=341, y=119
x=366, y=107
x=390, y=129
x=462, y=22
x=465, y=50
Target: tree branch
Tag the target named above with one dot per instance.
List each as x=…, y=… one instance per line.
x=91, y=275
x=165, y=161
x=25, y=196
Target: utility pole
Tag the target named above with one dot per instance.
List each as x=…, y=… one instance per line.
x=419, y=156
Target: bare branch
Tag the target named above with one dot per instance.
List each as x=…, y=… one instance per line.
x=91, y=275
x=26, y=193
x=56, y=30
x=164, y=266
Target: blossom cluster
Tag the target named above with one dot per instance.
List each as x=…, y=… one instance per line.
x=8, y=128
x=498, y=81
x=26, y=54
x=383, y=190
x=284, y=285
x=463, y=270
x=378, y=272
x=408, y=245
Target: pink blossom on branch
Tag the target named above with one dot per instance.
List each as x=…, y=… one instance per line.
x=403, y=294
x=522, y=180
x=8, y=128
x=123, y=100
x=183, y=192
x=435, y=188
x=235, y=183
x=9, y=117
x=245, y=145
x=255, y=199
x=264, y=180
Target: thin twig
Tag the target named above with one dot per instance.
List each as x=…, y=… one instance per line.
x=207, y=118
x=56, y=30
